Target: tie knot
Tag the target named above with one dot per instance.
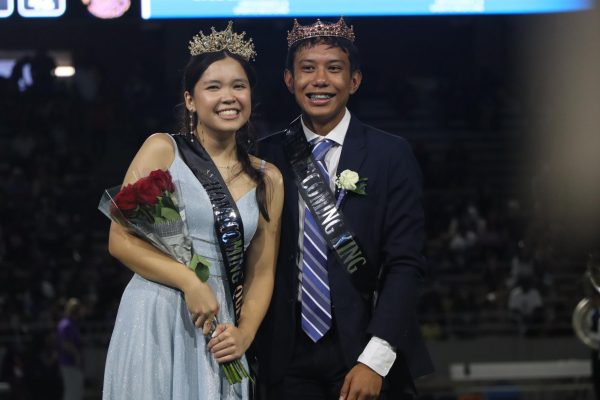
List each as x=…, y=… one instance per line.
x=321, y=147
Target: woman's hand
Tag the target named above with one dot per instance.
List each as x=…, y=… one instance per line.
x=229, y=343
x=202, y=304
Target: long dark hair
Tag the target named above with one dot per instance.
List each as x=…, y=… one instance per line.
x=245, y=137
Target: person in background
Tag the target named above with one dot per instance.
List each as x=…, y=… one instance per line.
x=526, y=305
x=70, y=355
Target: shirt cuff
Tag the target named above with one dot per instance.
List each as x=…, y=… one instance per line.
x=379, y=355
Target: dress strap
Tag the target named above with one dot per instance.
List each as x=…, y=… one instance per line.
x=262, y=165
x=173, y=142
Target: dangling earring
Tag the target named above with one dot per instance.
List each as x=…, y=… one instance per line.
x=192, y=126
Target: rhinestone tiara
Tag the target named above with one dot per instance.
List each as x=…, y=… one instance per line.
x=338, y=29
x=223, y=40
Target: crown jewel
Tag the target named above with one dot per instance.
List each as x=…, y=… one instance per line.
x=223, y=40
x=338, y=29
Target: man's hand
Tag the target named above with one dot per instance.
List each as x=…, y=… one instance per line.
x=361, y=383
x=229, y=343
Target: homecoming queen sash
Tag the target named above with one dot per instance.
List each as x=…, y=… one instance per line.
x=321, y=202
x=228, y=222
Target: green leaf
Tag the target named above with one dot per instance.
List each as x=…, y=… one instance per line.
x=360, y=188
x=202, y=272
x=200, y=265
x=169, y=214
x=159, y=220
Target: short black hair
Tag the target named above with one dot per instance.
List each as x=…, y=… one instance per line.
x=347, y=47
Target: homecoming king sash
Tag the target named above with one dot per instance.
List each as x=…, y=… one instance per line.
x=228, y=222
x=320, y=200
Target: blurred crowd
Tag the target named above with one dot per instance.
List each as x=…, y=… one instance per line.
x=498, y=265
x=52, y=239
x=49, y=244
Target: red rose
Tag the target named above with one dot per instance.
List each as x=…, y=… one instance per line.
x=126, y=199
x=147, y=191
x=163, y=180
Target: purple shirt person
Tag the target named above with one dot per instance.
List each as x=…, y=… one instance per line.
x=70, y=351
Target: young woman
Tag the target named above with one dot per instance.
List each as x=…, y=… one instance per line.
x=159, y=348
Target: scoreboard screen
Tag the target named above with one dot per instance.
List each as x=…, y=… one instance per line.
x=301, y=8
x=165, y=9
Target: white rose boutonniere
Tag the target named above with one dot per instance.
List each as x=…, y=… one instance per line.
x=347, y=180
x=350, y=181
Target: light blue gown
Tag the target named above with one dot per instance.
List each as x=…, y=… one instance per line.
x=156, y=352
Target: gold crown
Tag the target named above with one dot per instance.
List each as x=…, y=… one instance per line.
x=339, y=29
x=223, y=40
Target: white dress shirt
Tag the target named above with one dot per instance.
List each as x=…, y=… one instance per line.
x=378, y=355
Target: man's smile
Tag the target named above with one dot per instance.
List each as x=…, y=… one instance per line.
x=319, y=98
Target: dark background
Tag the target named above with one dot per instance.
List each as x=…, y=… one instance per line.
x=464, y=90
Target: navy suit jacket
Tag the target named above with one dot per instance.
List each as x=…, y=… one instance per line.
x=388, y=223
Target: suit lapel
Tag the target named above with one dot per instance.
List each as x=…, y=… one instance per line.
x=353, y=156
x=354, y=148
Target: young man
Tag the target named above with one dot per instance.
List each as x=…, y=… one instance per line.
x=342, y=322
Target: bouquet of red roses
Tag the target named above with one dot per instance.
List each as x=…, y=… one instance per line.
x=151, y=210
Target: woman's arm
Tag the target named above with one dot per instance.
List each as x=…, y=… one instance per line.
x=144, y=259
x=230, y=343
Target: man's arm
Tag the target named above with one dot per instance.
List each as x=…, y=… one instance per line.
x=401, y=253
x=402, y=271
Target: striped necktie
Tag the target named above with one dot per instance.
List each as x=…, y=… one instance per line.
x=315, y=299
